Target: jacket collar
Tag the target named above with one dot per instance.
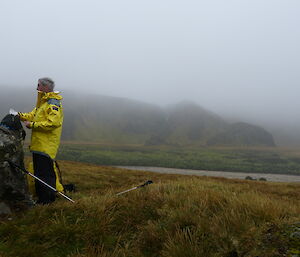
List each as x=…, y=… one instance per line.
x=55, y=95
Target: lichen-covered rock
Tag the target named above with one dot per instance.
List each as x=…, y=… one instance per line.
x=294, y=239
x=14, y=193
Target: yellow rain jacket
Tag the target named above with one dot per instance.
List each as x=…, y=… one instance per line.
x=46, y=123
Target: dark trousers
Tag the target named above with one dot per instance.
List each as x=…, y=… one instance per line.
x=43, y=169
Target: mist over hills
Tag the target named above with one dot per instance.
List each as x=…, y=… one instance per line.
x=123, y=121
x=107, y=119
x=191, y=124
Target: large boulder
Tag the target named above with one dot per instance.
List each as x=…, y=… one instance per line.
x=14, y=194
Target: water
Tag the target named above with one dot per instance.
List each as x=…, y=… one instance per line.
x=234, y=175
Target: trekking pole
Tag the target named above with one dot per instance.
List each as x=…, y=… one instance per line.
x=30, y=174
x=145, y=184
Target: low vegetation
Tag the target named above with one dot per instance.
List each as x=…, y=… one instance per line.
x=258, y=160
x=178, y=216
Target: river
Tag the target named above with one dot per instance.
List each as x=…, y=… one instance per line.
x=235, y=175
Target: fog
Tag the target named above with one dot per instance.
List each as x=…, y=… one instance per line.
x=237, y=58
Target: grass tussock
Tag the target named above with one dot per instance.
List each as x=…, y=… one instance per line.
x=176, y=216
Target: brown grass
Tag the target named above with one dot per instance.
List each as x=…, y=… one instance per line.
x=176, y=216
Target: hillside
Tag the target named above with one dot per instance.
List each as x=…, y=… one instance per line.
x=178, y=216
x=187, y=123
x=110, y=119
x=105, y=119
x=243, y=134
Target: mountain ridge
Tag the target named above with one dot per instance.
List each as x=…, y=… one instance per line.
x=108, y=119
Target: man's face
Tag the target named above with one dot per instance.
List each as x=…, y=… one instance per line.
x=43, y=88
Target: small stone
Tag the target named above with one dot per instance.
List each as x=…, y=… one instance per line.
x=297, y=224
x=295, y=235
x=4, y=209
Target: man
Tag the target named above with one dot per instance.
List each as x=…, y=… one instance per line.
x=45, y=121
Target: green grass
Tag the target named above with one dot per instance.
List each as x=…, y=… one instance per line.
x=177, y=216
x=259, y=160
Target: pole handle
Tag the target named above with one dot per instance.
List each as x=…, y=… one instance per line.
x=145, y=184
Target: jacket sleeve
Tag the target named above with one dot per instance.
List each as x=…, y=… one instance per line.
x=27, y=116
x=53, y=120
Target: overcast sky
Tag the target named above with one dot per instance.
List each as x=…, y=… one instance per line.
x=238, y=57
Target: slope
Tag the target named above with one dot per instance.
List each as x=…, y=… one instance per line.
x=176, y=216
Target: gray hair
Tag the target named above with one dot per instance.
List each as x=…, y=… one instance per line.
x=47, y=82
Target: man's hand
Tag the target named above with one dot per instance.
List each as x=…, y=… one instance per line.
x=27, y=124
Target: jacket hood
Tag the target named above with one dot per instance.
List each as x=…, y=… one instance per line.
x=42, y=96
